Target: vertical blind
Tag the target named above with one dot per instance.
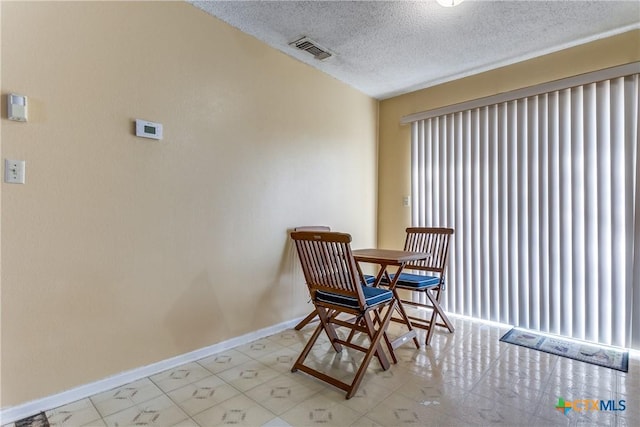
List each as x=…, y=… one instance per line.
x=543, y=193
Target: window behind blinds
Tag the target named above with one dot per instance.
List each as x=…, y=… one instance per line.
x=543, y=193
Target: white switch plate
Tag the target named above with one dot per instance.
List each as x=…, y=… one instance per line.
x=406, y=201
x=14, y=171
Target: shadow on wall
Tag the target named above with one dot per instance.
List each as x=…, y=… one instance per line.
x=196, y=318
x=283, y=297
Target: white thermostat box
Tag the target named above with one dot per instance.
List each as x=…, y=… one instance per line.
x=17, y=107
x=147, y=129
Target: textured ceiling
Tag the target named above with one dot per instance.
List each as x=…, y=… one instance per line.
x=386, y=48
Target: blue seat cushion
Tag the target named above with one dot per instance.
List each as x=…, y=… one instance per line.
x=369, y=279
x=372, y=296
x=415, y=281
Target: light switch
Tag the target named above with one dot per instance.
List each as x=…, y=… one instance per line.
x=14, y=171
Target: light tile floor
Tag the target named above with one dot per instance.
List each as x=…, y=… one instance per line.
x=465, y=378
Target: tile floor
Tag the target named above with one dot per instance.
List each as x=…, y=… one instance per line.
x=465, y=378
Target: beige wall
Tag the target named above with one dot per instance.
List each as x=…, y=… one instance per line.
x=395, y=139
x=121, y=251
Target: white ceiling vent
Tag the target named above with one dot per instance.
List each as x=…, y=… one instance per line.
x=305, y=43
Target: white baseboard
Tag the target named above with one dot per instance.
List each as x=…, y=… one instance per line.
x=12, y=414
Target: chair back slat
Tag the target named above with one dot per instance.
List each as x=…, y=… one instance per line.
x=430, y=240
x=328, y=263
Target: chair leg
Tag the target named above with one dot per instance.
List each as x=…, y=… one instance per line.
x=307, y=348
x=375, y=348
x=437, y=311
x=325, y=325
x=387, y=341
x=375, y=328
x=442, y=314
x=325, y=321
x=380, y=355
x=383, y=325
x=306, y=320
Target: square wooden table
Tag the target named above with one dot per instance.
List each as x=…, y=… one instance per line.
x=394, y=258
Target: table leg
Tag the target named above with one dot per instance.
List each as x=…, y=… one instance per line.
x=400, y=308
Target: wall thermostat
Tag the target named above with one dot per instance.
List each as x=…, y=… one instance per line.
x=17, y=107
x=147, y=129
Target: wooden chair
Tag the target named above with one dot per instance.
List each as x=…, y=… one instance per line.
x=435, y=242
x=337, y=288
x=311, y=316
x=304, y=322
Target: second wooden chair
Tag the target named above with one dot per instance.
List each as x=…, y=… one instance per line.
x=428, y=278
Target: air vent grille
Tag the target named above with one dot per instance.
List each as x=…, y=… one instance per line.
x=312, y=47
